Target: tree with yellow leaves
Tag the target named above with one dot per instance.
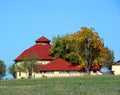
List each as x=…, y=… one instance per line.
x=84, y=47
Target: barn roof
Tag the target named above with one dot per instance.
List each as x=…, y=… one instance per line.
x=57, y=65
x=41, y=51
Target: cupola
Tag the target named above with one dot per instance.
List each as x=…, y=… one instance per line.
x=42, y=40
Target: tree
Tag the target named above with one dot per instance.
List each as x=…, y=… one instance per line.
x=87, y=46
x=84, y=47
x=28, y=62
x=59, y=49
x=12, y=70
x=2, y=69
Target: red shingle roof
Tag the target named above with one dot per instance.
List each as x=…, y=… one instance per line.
x=56, y=65
x=40, y=50
x=43, y=40
x=95, y=67
x=62, y=65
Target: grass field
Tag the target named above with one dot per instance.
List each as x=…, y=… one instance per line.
x=84, y=85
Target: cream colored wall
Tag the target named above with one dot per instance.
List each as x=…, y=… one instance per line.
x=49, y=74
x=57, y=74
x=116, y=69
x=18, y=63
x=22, y=75
x=25, y=74
x=37, y=62
x=52, y=74
x=93, y=73
x=42, y=62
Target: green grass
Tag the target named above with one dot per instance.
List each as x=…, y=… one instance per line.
x=84, y=85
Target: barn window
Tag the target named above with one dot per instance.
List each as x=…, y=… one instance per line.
x=19, y=73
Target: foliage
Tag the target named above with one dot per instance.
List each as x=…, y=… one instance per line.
x=12, y=70
x=109, y=58
x=84, y=47
x=2, y=69
x=28, y=62
x=20, y=67
x=59, y=49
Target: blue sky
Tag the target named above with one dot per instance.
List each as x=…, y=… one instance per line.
x=24, y=21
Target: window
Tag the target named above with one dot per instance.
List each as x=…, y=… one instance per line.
x=19, y=73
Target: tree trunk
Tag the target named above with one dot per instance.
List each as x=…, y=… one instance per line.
x=88, y=70
x=30, y=75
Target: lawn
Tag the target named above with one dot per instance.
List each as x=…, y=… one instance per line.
x=83, y=85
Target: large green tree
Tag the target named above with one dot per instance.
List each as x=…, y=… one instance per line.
x=84, y=47
x=59, y=49
x=2, y=69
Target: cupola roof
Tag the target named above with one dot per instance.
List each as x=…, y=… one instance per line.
x=42, y=40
